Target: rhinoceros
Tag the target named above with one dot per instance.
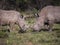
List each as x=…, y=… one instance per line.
x=11, y=17
x=48, y=16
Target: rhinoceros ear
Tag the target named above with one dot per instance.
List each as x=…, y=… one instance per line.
x=36, y=15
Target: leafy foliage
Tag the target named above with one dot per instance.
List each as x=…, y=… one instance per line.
x=26, y=4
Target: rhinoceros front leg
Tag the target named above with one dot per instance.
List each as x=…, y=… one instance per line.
x=50, y=26
x=21, y=30
x=11, y=27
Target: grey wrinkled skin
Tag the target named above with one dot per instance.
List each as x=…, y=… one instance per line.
x=12, y=17
x=48, y=16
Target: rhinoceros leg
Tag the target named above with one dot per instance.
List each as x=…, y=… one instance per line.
x=50, y=26
x=11, y=27
x=21, y=30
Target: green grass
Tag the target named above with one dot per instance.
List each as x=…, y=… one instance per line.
x=37, y=38
x=33, y=38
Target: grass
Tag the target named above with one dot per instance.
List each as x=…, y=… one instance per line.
x=35, y=38
x=32, y=38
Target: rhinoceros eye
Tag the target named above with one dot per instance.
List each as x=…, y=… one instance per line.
x=21, y=16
